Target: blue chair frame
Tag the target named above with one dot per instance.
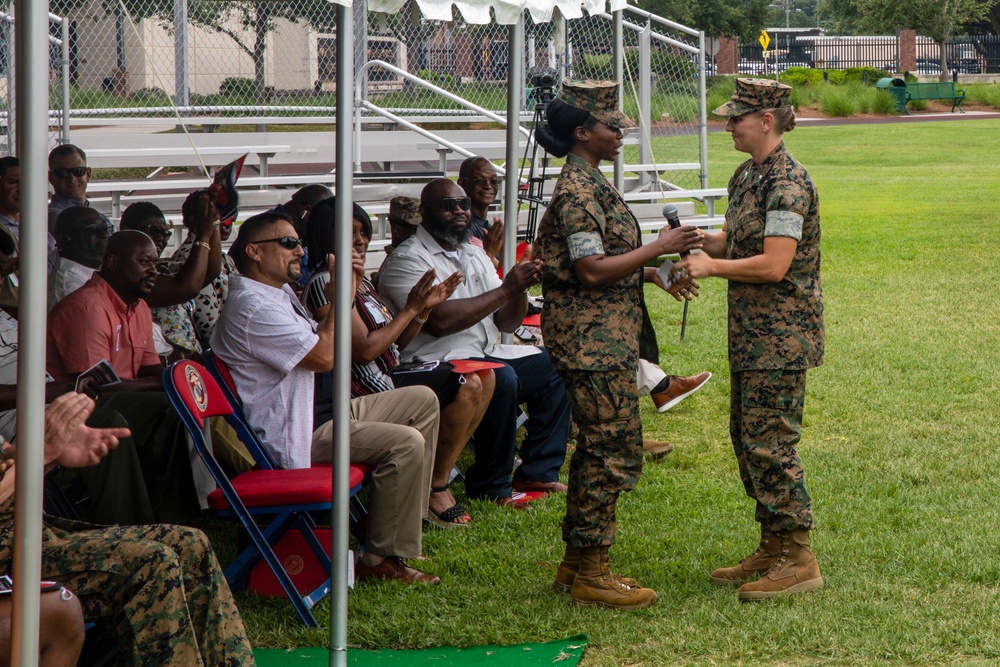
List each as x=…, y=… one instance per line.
x=283, y=517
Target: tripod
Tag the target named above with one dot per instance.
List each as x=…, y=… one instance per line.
x=533, y=192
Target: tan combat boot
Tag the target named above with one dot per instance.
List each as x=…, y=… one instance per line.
x=596, y=585
x=795, y=571
x=754, y=565
x=570, y=565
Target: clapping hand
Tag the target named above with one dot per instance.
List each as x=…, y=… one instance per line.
x=493, y=239
x=69, y=441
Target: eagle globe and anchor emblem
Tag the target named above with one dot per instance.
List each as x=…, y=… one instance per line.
x=197, y=387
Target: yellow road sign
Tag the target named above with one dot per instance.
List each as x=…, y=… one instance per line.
x=764, y=39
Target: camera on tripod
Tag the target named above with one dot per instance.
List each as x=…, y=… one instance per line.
x=542, y=82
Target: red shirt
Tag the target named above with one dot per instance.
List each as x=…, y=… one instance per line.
x=93, y=323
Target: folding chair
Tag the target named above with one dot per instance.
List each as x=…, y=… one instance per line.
x=220, y=371
x=281, y=498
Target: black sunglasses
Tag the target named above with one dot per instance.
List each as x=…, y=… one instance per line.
x=286, y=242
x=79, y=172
x=97, y=230
x=449, y=204
x=491, y=182
x=156, y=232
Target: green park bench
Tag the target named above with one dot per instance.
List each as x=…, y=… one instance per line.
x=935, y=90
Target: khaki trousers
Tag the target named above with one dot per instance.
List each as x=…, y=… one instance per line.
x=396, y=431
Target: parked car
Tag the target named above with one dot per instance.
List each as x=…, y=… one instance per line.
x=928, y=67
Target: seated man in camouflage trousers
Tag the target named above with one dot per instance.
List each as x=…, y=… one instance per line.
x=158, y=588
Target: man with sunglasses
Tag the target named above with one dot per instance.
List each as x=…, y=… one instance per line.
x=478, y=178
x=83, y=235
x=69, y=176
x=468, y=325
x=280, y=359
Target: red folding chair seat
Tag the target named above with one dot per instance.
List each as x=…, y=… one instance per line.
x=280, y=500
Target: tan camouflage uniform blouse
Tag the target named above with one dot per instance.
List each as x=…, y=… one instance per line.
x=775, y=325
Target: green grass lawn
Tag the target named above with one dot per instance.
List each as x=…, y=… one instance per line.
x=900, y=447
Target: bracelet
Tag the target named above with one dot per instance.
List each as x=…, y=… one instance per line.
x=203, y=245
x=418, y=320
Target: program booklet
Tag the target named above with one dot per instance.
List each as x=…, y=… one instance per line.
x=223, y=188
x=99, y=375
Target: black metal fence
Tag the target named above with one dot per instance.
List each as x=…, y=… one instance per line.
x=969, y=54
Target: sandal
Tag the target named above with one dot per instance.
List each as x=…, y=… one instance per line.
x=453, y=517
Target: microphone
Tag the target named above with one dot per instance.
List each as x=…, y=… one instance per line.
x=674, y=221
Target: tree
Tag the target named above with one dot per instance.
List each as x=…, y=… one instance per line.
x=730, y=18
x=246, y=22
x=841, y=17
x=936, y=19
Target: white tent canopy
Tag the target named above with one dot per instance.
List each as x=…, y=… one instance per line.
x=32, y=129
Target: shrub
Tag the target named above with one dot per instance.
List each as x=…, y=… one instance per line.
x=439, y=79
x=150, y=95
x=859, y=93
x=838, y=101
x=882, y=103
x=803, y=96
x=670, y=66
x=869, y=75
x=837, y=77
x=238, y=86
x=918, y=105
x=801, y=76
x=983, y=94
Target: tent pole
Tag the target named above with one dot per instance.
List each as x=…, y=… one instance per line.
x=515, y=88
x=342, y=335
x=618, y=51
x=32, y=30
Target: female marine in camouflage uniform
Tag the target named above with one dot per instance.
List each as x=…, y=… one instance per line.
x=591, y=246
x=769, y=252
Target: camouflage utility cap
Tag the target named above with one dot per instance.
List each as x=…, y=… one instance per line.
x=600, y=98
x=404, y=209
x=756, y=94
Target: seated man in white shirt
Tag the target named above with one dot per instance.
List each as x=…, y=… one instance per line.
x=274, y=349
x=468, y=325
x=82, y=234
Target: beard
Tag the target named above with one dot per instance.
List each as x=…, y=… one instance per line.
x=450, y=235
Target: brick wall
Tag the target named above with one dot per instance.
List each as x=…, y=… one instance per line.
x=907, y=51
x=728, y=56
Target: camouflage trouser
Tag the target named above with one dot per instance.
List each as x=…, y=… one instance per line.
x=158, y=588
x=765, y=423
x=608, y=455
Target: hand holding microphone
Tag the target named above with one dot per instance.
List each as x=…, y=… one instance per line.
x=677, y=238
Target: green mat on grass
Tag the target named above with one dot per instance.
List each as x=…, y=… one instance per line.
x=564, y=652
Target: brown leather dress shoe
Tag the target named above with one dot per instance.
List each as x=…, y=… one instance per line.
x=395, y=569
x=679, y=389
x=547, y=487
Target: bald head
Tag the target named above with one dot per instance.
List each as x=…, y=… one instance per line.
x=129, y=265
x=444, y=209
x=302, y=203
x=82, y=234
x=311, y=195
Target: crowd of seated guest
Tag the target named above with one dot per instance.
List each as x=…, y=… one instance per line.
x=112, y=298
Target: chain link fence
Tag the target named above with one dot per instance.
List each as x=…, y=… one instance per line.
x=254, y=59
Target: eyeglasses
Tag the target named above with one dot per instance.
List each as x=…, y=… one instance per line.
x=62, y=174
x=286, y=242
x=402, y=223
x=98, y=230
x=484, y=182
x=156, y=232
x=449, y=204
